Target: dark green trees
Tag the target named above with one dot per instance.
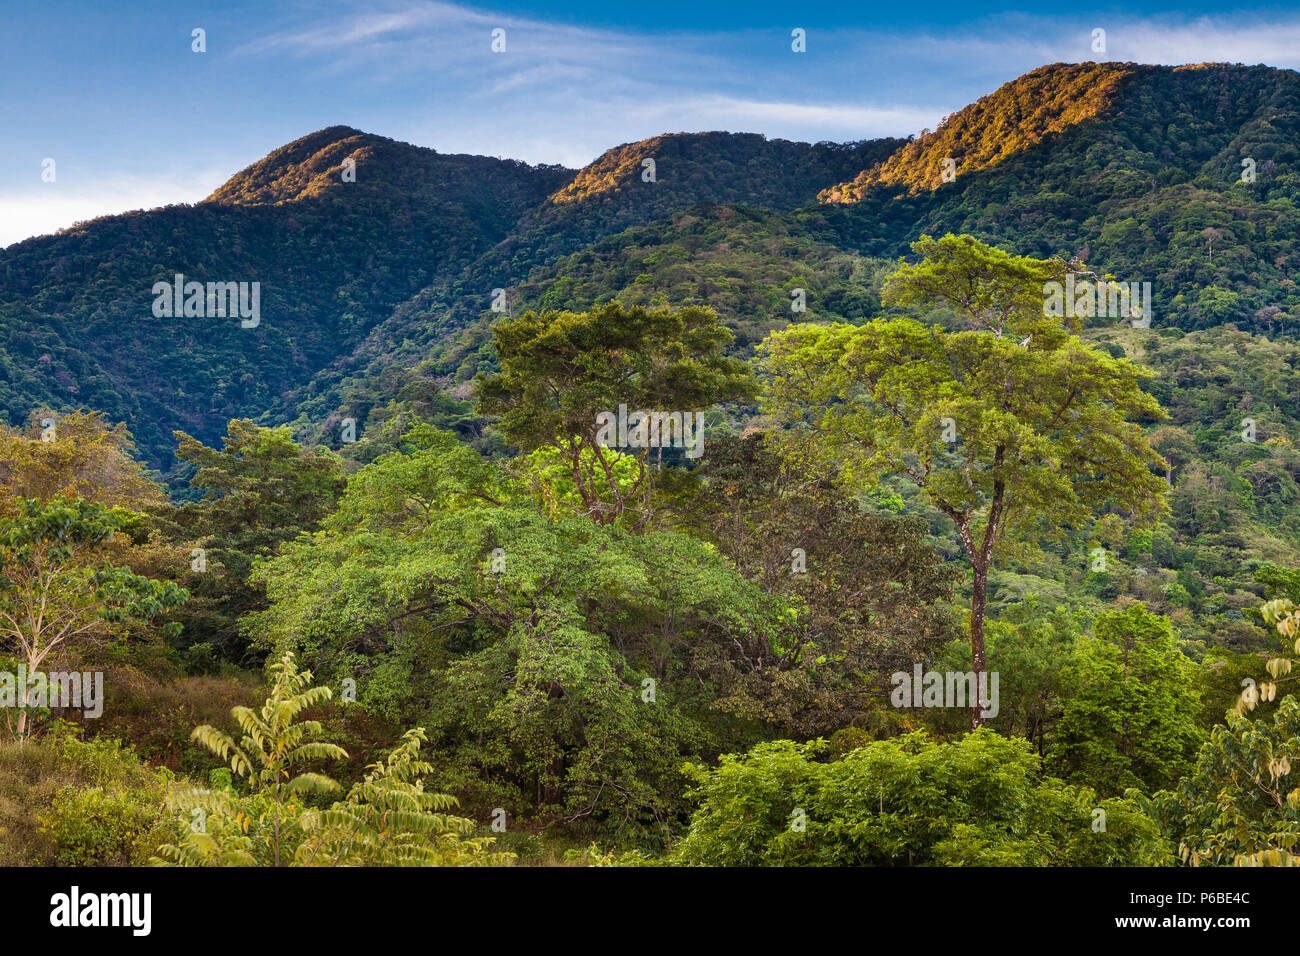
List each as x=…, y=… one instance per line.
x=1012, y=426
x=1130, y=706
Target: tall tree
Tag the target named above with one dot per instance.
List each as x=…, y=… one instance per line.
x=56, y=589
x=560, y=370
x=1130, y=706
x=1012, y=425
x=1176, y=445
x=560, y=665
x=872, y=593
x=260, y=489
x=77, y=454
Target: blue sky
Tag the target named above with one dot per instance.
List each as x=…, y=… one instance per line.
x=134, y=119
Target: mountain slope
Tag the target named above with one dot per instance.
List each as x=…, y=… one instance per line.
x=610, y=194
x=1133, y=188
x=1021, y=113
x=1136, y=169
x=745, y=263
x=1125, y=164
x=331, y=258
x=600, y=201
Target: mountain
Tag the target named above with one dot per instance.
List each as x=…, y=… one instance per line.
x=1126, y=165
x=371, y=282
x=599, y=202
x=331, y=259
x=1048, y=101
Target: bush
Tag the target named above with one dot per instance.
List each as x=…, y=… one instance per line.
x=1241, y=803
x=98, y=827
x=911, y=801
x=64, y=801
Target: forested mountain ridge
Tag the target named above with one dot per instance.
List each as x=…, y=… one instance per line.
x=76, y=320
x=1184, y=177
x=605, y=198
x=494, y=192
x=1126, y=166
x=1138, y=170
x=1021, y=113
x=1198, y=121
x=722, y=167
x=402, y=512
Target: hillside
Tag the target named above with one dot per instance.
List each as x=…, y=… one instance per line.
x=1132, y=188
x=1050, y=100
x=730, y=501
x=331, y=258
x=602, y=200
x=1125, y=166
x=610, y=194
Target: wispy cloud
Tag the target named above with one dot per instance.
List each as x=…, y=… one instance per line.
x=60, y=204
x=593, y=87
x=423, y=71
x=434, y=38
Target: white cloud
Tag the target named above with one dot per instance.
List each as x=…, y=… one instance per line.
x=447, y=41
x=1223, y=39
x=423, y=72
x=49, y=207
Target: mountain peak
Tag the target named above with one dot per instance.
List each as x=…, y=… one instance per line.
x=718, y=166
x=622, y=165
x=298, y=170
x=1018, y=114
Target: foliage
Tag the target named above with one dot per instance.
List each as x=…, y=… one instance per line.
x=1029, y=648
x=1284, y=616
x=56, y=591
x=68, y=802
x=387, y=819
x=561, y=370
x=1130, y=706
x=273, y=744
x=260, y=490
x=868, y=591
x=1042, y=432
x=523, y=641
x=910, y=801
x=93, y=827
x=81, y=456
x=1240, y=804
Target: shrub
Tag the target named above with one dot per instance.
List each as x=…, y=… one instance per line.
x=65, y=801
x=912, y=801
x=98, y=827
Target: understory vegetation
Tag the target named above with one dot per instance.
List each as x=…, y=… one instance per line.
x=940, y=580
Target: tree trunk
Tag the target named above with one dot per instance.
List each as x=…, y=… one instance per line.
x=34, y=660
x=977, y=603
x=981, y=557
